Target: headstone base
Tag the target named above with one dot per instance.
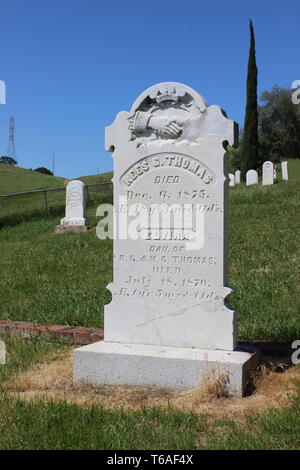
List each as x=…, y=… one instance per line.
x=105, y=363
x=72, y=228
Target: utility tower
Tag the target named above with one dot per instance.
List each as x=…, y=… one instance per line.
x=11, y=149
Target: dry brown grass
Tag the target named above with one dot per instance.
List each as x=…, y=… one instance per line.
x=52, y=380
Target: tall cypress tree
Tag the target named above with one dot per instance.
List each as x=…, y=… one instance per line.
x=249, y=154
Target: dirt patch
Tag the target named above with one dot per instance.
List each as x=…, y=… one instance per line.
x=53, y=381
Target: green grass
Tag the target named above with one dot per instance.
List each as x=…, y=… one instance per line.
x=43, y=426
x=54, y=278
x=275, y=430
x=57, y=425
x=50, y=287
x=14, y=180
x=103, y=177
x=62, y=279
x=18, y=209
x=14, y=210
x=264, y=258
x=48, y=278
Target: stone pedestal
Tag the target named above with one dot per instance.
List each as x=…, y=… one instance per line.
x=72, y=228
x=105, y=363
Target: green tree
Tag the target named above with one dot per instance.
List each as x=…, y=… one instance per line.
x=234, y=158
x=44, y=170
x=279, y=126
x=8, y=160
x=249, y=150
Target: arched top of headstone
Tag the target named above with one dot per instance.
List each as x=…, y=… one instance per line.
x=76, y=184
x=171, y=112
x=267, y=164
x=170, y=91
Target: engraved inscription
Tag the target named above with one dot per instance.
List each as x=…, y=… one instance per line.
x=74, y=197
x=167, y=160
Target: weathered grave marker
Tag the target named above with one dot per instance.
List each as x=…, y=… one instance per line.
x=75, y=219
x=251, y=177
x=168, y=324
x=237, y=177
x=231, y=180
x=2, y=352
x=267, y=173
x=284, y=171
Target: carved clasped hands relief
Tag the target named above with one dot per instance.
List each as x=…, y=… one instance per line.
x=166, y=126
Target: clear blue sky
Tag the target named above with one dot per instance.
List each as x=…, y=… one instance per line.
x=71, y=65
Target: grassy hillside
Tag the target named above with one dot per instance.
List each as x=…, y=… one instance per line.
x=62, y=279
x=14, y=179
x=96, y=178
x=99, y=193
x=18, y=209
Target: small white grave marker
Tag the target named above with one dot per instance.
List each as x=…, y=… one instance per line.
x=251, y=177
x=267, y=173
x=284, y=171
x=75, y=218
x=237, y=177
x=231, y=180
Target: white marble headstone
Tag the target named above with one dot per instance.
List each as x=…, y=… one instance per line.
x=231, y=180
x=168, y=324
x=284, y=171
x=267, y=173
x=75, y=204
x=168, y=290
x=237, y=177
x=251, y=177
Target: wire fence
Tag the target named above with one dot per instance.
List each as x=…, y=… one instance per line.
x=16, y=207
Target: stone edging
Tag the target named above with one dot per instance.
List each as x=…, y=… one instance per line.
x=75, y=334
x=80, y=335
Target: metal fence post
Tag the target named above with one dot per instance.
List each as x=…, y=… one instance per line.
x=34, y=191
x=46, y=202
